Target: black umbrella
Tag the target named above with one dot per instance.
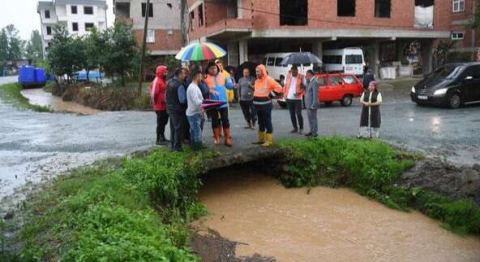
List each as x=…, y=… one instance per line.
x=301, y=58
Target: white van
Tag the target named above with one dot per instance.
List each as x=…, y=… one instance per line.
x=278, y=72
x=347, y=60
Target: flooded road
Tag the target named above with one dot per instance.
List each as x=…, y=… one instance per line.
x=324, y=225
x=39, y=97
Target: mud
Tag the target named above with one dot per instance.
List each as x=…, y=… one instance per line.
x=324, y=224
x=39, y=97
x=447, y=179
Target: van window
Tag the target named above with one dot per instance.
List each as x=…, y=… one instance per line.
x=264, y=61
x=336, y=81
x=349, y=80
x=332, y=59
x=353, y=59
x=278, y=62
x=271, y=61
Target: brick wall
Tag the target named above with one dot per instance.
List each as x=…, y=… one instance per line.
x=163, y=40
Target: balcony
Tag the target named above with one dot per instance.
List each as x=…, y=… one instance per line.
x=228, y=28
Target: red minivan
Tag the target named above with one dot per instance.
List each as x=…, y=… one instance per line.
x=336, y=87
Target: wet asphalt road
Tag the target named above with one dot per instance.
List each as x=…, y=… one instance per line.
x=36, y=146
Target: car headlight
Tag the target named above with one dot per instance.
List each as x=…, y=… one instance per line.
x=440, y=92
x=413, y=89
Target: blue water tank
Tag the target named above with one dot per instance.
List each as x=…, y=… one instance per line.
x=27, y=74
x=40, y=75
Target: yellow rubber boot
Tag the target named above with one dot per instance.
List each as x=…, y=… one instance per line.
x=261, y=138
x=269, y=140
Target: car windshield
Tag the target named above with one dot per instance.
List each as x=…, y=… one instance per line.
x=446, y=72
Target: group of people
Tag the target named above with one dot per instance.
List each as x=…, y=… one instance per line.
x=180, y=99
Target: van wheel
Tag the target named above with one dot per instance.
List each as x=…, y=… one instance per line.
x=454, y=101
x=346, y=100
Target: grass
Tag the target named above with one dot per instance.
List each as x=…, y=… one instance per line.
x=139, y=209
x=11, y=93
x=372, y=169
x=49, y=86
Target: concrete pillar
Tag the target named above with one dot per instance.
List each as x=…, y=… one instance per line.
x=318, y=48
x=243, y=51
x=427, y=55
x=233, y=54
x=373, y=59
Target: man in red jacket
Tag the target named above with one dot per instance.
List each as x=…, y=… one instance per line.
x=158, y=89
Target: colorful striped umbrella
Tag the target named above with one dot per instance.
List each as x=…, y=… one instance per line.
x=200, y=52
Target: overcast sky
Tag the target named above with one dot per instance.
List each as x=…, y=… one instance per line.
x=23, y=14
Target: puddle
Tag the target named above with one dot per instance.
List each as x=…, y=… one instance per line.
x=324, y=225
x=39, y=97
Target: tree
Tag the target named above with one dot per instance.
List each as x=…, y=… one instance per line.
x=34, y=49
x=3, y=47
x=15, y=44
x=95, y=50
x=121, y=52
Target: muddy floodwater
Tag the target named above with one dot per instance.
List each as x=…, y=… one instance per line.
x=39, y=97
x=323, y=224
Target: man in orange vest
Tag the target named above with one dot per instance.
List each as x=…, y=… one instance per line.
x=262, y=100
x=294, y=91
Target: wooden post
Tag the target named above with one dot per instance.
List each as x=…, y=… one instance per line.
x=144, y=47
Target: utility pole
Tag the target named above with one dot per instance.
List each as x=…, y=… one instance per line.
x=144, y=47
x=183, y=23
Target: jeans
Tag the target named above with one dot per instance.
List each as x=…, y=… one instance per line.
x=195, y=122
x=295, y=108
x=313, y=121
x=248, y=111
x=162, y=120
x=264, y=113
x=220, y=118
x=176, y=130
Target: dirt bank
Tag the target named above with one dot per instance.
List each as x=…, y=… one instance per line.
x=453, y=181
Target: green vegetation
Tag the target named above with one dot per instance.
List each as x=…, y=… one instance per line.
x=372, y=169
x=49, y=87
x=138, y=210
x=11, y=94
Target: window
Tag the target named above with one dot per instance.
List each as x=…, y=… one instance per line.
x=75, y=27
x=150, y=9
x=192, y=18
x=349, y=80
x=322, y=81
x=353, y=59
x=383, y=8
x=458, y=6
x=200, y=15
x=278, y=62
x=151, y=36
x=49, y=30
x=47, y=14
x=271, y=61
x=458, y=35
x=73, y=8
x=345, y=7
x=294, y=12
x=473, y=71
x=89, y=26
x=336, y=81
x=88, y=10
x=332, y=59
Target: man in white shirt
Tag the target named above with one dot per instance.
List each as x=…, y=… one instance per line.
x=294, y=90
x=194, y=110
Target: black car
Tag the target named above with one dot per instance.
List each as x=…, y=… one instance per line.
x=451, y=85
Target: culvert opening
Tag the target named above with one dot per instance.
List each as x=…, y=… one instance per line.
x=252, y=213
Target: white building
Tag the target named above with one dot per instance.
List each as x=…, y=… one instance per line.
x=79, y=16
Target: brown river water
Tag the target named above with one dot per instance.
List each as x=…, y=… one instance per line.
x=322, y=225
x=39, y=97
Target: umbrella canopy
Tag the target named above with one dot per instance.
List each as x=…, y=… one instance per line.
x=200, y=52
x=301, y=58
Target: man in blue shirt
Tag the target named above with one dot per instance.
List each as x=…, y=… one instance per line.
x=176, y=99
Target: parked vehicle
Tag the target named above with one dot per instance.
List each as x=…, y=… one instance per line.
x=451, y=85
x=274, y=68
x=347, y=61
x=335, y=87
x=29, y=76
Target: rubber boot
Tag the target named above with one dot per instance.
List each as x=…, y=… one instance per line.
x=216, y=136
x=261, y=138
x=269, y=140
x=228, y=138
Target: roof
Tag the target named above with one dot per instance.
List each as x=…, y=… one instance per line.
x=81, y=2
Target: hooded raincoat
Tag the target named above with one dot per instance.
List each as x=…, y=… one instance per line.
x=158, y=89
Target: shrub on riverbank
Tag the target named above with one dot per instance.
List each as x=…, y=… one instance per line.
x=11, y=93
x=372, y=168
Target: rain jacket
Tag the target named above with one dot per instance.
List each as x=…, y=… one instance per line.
x=219, y=84
x=264, y=87
x=158, y=90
